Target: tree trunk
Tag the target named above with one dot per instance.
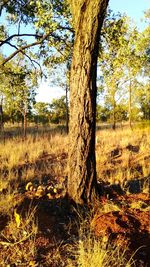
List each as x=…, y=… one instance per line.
x=2, y=133
x=114, y=113
x=25, y=124
x=67, y=111
x=89, y=16
x=129, y=110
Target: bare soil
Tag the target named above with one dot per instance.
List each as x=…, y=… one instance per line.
x=128, y=226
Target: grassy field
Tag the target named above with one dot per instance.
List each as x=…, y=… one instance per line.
x=39, y=228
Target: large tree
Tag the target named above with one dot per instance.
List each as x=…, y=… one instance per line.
x=88, y=16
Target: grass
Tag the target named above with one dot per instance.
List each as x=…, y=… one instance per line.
x=16, y=151
x=90, y=251
x=130, y=165
x=100, y=253
x=39, y=155
x=18, y=240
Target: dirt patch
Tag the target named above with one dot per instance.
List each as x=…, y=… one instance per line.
x=126, y=227
x=121, y=222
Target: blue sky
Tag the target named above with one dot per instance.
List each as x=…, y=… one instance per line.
x=133, y=8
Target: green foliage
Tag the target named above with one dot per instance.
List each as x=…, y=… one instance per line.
x=51, y=30
x=50, y=113
x=17, y=90
x=58, y=110
x=144, y=101
x=123, y=61
x=103, y=113
x=42, y=112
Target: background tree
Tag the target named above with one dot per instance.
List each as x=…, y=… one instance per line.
x=61, y=78
x=52, y=33
x=18, y=90
x=144, y=88
x=58, y=110
x=144, y=101
x=132, y=67
x=111, y=62
x=42, y=113
x=123, y=62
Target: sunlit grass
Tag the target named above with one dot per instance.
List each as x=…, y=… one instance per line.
x=16, y=151
x=92, y=252
x=108, y=140
x=88, y=251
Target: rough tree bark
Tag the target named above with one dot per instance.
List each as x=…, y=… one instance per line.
x=88, y=18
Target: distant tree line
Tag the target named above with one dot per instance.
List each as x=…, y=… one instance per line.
x=123, y=82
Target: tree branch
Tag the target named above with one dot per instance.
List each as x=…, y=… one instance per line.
x=2, y=42
x=66, y=28
x=21, y=49
x=32, y=60
x=60, y=39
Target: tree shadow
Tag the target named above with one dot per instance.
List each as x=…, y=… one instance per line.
x=58, y=224
x=136, y=186
x=4, y=219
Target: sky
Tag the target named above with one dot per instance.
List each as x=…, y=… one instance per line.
x=132, y=8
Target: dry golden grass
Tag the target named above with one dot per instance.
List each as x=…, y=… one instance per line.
x=99, y=253
x=15, y=152
x=129, y=164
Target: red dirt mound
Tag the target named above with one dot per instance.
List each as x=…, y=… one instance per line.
x=127, y=228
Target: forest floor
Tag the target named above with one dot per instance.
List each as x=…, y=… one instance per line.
x=39, y=227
